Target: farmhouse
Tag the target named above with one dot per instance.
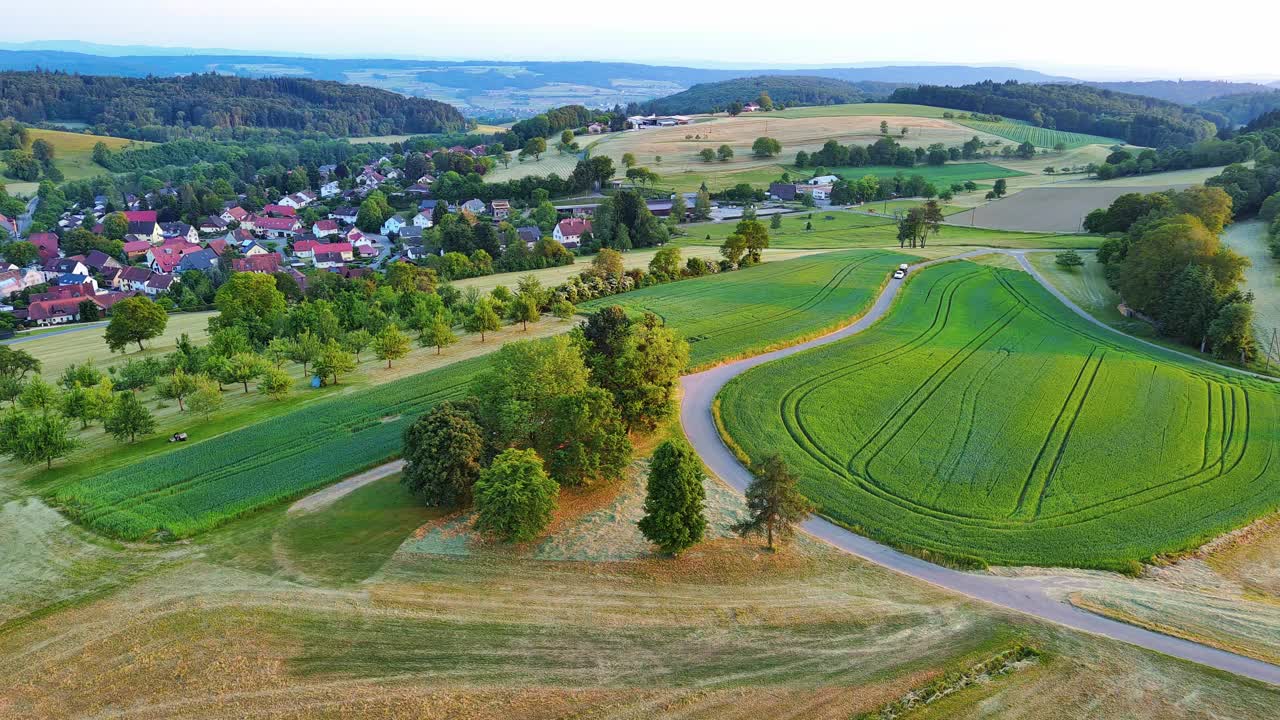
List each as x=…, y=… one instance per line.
x=782, y=191
x=637, y=122
x=569, y=232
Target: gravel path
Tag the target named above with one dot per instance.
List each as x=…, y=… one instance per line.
x=328, y=496
x=1029, y=595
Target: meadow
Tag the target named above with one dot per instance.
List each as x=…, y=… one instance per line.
x=1113, y=452
x=838, y=229
x=748, y=311
x=199, y=486
x=942, y=176
x=1040, y=137
x=73, y=155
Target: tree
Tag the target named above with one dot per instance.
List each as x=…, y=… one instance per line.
x=1068, y=259
x=755, y=239
x=250, y=301
x=133, y=320
x=39, y=395
x=648, y=371
x=482, y=319
x=244, y=367
x=733, y=248
x=774, y=503
x=20, y=253
x=514, y=498
x=177, y=386
x=207, y=398
x=707, y=154
x=439, y=334
x=334, y=361
x=884, y=127
x=275, y=383
x=305, y=349
x=607, y=264
x=775, y=222
x=524, y=310
x=563, y=309
x=535, y=147
x=76, y=405
x=628, y=160
x=515, y=396
x=1001, y=188
x=31, y=439
x=674, y=514
x=765, y=147
x=725, y=153
x=1231, y=332
x=666, y=262
x=442, y=453
x=14, y=366
x=585, y=439
x=702, y=206
x=391, y=344
x=129, y=419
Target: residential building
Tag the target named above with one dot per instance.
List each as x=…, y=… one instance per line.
x=212, y=225
x=46, y=245
x=569, y=232
x=325, y=228
x=393, y=224
x=500, y=209
x=264, y=263
x=330, y=189
x=164, y=258
x=530, y=234
x=422, y=219
x=279, y=210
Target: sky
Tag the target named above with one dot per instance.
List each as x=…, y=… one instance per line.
x=1090, y=39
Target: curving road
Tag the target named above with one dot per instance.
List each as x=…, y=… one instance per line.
x=1028, y=595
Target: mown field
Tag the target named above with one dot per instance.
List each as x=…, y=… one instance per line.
x=1038, y=136
x=941, y=176
x=747, y=311
x=836, y=229
x=73, y=155
x=1112, y=453
x=198, y=487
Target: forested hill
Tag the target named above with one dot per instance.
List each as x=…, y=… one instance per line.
x=1075, y=108
x=784, y=89
x=144, y=107
x=1242, y=109
x=1183, y=92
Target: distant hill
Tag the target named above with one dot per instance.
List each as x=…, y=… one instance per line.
x=1243, y=108
x=1075, y=108
x=785, y=89
x=1183, y=92
x=129, y=107
x=477, y=87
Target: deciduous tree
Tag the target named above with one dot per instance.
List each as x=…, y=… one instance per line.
x=442, y=453
x=129, y=419
x=514, y=498
x=133, y=320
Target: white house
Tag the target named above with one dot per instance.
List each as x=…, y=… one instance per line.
x=392, y=225
x=422, y=220
x=324, y=228
x=330, y=189
x=823, y=180
x=569, y=231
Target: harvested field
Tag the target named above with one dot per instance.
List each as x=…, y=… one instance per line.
x=906, y=431
x=1048, y=209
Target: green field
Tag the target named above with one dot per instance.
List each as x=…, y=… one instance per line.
x=747, y=311
x=1038, y=136
x=984, y=420
x=73, y=155
x=836, y=229
x=198, y=487
x=551, y=162
x=942, y=176
x=856, y=109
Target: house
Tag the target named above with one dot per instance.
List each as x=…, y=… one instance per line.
x=347, y=215
x=46, y=245
x=597, y=128
x=279, y=210
x=500, y=209
x=131, y=278
x=234, y=214
x=218, y=246
x=9, y=225
x=70, y=280
x=15, y=281
x=100, y=261
x=569, y=231
x=140, y=216
x=530, y=234
x=751, y=107
x=355, y=237
x=475, y=206
x=158, y=283
x=297, y=200
x=819, y=192
x=370, y=178
x=59, y=292
x=145, y=230
x=330, y=189
x=206, y=261
x=55, y=312
x=782, y=191
x=164, y=258
x=280, y=228
x=305, y=248
x=212, y=225
x=409, y=233
x=64, y=266
x=393, y=225
x=327, y=260
x=823, y=180
x=324, y=228
x=343, y=251
x=422, y=219
x=367, y=251
x=263, y=263
x=418, y=189
x=182, y=230
x=136, y=249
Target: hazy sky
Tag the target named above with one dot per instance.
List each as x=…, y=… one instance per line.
x=1085, y=38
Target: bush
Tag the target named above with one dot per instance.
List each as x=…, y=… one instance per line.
x=514, y=497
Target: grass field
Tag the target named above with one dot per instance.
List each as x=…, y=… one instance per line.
x=56, y=352
x=941, y=176
x=1040, y=137
x=1115, y=453
x=747, y=311
x=1262, y=279
x=862, y=109
x=73, y=155
x=835, y=229
x=202, y=485
x=551, y=162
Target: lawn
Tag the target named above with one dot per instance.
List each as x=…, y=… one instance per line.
x=73, y=155
x=834, y=229
x=1040, y=137
x=747, y=311
x=85, y=344
x=983, y=420
x=203, y=485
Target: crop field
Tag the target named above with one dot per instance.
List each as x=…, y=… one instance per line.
x=728, y=315
x=1038, y=136
x=941, y=176
x=198, y=487
x=73, y=155
x=835, y=229
x=1049, y=209
x=1114, y=452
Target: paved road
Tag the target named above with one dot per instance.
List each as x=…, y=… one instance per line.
x=1029, y=595
x=24, y=220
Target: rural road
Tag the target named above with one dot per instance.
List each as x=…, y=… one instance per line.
x=1028, y=595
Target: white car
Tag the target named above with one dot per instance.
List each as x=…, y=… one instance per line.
x=903, y=267
x=899, y=274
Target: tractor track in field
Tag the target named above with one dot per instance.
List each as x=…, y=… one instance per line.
x=1031, y=596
